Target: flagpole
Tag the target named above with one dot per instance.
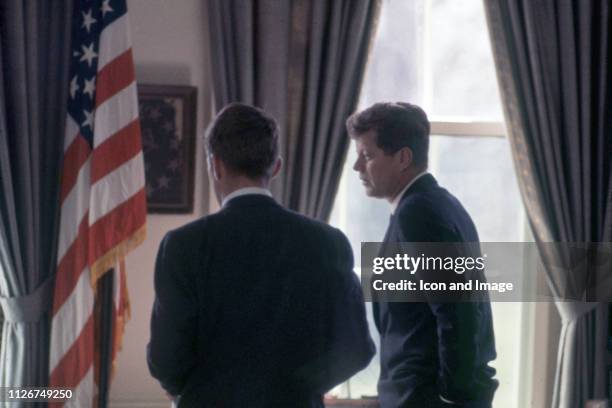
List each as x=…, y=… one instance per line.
x=104, y=327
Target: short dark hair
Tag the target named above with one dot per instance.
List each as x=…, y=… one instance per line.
x=397, y=125
x=245, y=138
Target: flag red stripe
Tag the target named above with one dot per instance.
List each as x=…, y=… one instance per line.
x=120, y=223
x=115, y=151
x=74, y=158
x=115, y=76
x=78, y=359
x=71, y=265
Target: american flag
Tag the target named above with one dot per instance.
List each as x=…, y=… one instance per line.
x=103, y=202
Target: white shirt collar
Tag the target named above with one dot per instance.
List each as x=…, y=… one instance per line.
x=398, y=197
x=245, y=191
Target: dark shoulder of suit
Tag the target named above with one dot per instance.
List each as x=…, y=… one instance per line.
x=429, y=213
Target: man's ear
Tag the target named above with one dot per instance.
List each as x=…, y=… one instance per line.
x=277, y=167
x=217, y=167
x=405, y=158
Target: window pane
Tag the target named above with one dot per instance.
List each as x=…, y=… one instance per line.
x=437, y=54
x=463, y=73
x=394, y=72
x=479, y=172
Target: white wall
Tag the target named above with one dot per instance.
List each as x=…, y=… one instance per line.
x=170, y=48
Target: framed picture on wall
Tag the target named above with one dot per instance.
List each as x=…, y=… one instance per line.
x=168, y=123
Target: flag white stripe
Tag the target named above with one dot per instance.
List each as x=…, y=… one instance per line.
x=114, y=41
x=84, y=393
x=70, y=319
x=72, y=130
x=115, y=113
x=74, y=207
x=116, y=187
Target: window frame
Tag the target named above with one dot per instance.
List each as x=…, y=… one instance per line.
x=467, y=128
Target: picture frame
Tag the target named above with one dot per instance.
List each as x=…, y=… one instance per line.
x=168, y=127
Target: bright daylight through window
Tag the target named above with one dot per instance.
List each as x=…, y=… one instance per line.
x=436, y=53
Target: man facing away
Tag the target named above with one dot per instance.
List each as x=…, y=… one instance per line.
x=256, y=306
x=431, y=354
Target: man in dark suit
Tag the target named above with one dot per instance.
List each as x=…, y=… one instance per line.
x=256, y=306
x=433, y=353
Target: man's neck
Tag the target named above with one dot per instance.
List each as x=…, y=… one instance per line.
x=245, y=191
x=404, y=187
x=402, y=183
x=242, y=183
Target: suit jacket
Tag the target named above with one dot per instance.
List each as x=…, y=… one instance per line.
x=256, y=306
x=434, y=349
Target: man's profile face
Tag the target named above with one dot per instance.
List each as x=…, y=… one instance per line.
x=378, y=171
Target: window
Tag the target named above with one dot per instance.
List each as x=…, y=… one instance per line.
x=436, y=53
